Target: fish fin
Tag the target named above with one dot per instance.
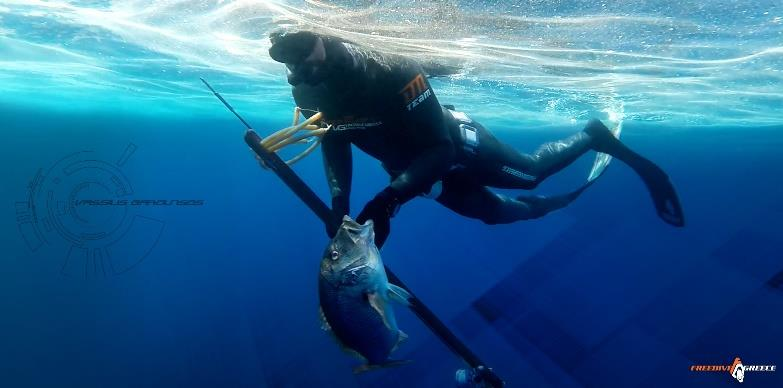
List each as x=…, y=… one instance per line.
x=324, y=323
x=401, y=337
x=400, y=295
x=379, y=304
x=386, y=364
x=328, y=328
x=351, y=352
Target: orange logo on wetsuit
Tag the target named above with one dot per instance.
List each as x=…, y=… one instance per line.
x=415, y=92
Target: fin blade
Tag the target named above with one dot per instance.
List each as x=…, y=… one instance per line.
x=601, y=159
x=664, y=196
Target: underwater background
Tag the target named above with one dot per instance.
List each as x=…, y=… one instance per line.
x=206, y=275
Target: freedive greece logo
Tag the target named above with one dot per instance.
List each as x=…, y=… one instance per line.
x=83, y=208
x=736, y=369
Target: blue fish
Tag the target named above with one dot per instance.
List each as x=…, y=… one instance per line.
x=355, y=296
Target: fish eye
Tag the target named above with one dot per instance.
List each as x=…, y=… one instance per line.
x=335, y=255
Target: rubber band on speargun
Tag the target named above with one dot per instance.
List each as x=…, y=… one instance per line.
x=289, y=131
x=288, y=136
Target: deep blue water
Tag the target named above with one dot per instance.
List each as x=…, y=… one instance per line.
x=599, y=294
x=101, y=100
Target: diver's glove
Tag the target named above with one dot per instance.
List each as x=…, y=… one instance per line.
x=380, y=210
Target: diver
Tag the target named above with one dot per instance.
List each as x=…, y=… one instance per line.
x=384, y=105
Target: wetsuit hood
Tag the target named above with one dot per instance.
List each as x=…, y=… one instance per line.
x=294, y=48
x=291, y=47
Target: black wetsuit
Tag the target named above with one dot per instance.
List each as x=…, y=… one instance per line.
x=385, y=106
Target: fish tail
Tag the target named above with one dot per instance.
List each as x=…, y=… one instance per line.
x=386, y=364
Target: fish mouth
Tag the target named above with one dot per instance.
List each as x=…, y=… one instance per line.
x=354, y=233
x=350, y=225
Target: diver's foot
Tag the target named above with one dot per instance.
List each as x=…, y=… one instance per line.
x=603, y=140
x=665, y=199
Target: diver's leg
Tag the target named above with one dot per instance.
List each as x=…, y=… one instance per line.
x=663, y=194
x=472, y=200
x=500, y=165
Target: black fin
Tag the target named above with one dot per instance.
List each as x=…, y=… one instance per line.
x=664, y=197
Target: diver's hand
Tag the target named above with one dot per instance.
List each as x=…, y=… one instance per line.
x=380, y=210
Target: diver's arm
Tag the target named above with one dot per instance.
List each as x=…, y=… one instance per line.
x=338, y=164
x=422, y=118
x=423, y=172
x=401, y=86
x=414, y=107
